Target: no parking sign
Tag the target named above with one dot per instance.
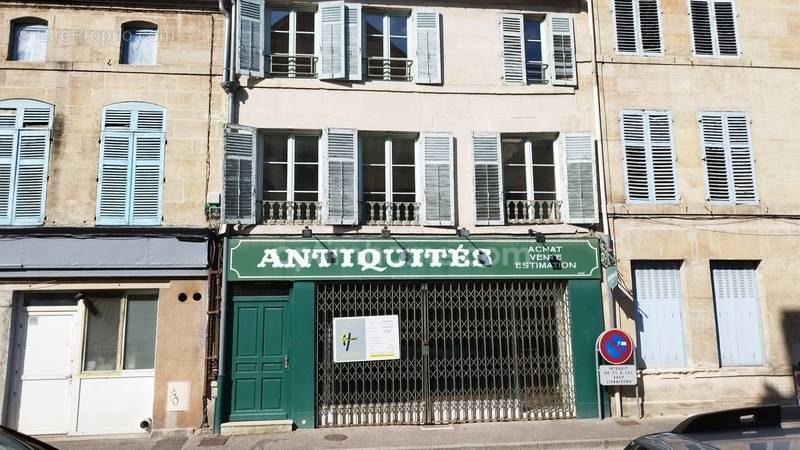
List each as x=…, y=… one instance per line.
x=615, y=346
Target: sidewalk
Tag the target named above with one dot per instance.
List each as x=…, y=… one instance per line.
x=566, y=434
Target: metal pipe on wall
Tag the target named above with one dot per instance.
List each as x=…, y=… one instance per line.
x=223, y=318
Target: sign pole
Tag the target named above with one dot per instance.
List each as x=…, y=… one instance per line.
x=597, y=370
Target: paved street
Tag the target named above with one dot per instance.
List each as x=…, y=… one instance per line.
x=589, y=434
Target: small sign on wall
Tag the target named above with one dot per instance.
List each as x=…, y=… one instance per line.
x=177, y=396
x=373, y=338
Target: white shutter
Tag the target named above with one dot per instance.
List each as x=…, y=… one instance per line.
x=8, y=139
x=650, y=27
x=738, y=314
x=250, y=48
x=240, y=175
x=662, y=157
x=634, y=147
x=429, y=46
x=33, y=147
x=714, y=155
x=332, y=40
x=581, y=179
x=563, y=51
x=730, y=168
x=702, y=28
x=354, y=53
x=659, y=322
x=625, y=26
x=513, y=36
x=438, y=183
x=650, y=174
x=341, y=177
x=147, y=178
x=114, y=178
x=725, y=23
x=489, y=209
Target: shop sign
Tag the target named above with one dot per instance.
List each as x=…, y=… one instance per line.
x=618, y=375
x=371, y=338
x=331, y=259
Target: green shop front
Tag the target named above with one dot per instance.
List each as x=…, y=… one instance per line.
x=330, y=332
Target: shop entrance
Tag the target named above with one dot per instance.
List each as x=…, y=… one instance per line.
x=471, y=351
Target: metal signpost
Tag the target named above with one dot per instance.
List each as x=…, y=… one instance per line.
x=615, y=347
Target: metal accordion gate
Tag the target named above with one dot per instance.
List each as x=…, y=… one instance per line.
x=471, y=351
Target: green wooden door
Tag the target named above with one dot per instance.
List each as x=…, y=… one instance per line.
x=260, y=361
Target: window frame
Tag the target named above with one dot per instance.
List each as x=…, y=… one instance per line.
x=291, y=69
x=389, y=165
x=637, y=30
x=712, y=18
x=545, y=49
x=13, y=41
x=291, y=161
x=529, y=165
x=129, y=27
x=387, y=36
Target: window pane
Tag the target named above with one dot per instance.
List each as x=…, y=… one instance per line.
x=29, y=42
x=544, y=196
x=374, y=150
x=305, y=177
x=306, y=148
x=379, y=197
x=397, y=26
x=403, y=179
x=542, y=151
x=275, y=196
x=306, y=197
x=513, y=150
x=515, y=195
x=533, y=52
x=533, y=30
x=279, y=20
x=279, y=43
x=403, y=151
x=305, y=44
x=140, y=332
x=374, y=179
x=305, y=21
x=374, y=46
x=139, y=46
x=399, y=47
x=544, y=178
x=374, y=23
x=274, y=177
x=514, y=178
x=275, y=147
x=102, y=333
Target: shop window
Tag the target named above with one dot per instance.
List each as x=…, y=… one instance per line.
x=28, y=40
x=119, y=332
x=291, y=178
x=139, y=43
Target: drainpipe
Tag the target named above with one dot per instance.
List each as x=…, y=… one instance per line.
x=222, y=370
x=229, y=82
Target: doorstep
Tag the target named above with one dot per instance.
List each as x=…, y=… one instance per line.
x=256, y=427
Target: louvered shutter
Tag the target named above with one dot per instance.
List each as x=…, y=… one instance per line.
x=701, y=27
x=354, y=54
x=488, y=180
x=31, y=180
x=741, y=158
x=563, y=51
x=725, y=21
x=650, y=174
x=114, y=178
x=650, y=27
x=250, y=54
x=581, y=179
x=714, y=154
x=625, y=25
x=662, y=158
x=512, y=33
x=438, y=183
x=332, y=40
x=147, y=176
x=637, y=172
x=341, y=177
x=7, y=158
x=429, y=47
x=730, y=169
x=659, y=322
x=738, y=315
x=240, y=175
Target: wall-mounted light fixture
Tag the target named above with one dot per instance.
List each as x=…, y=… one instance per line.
x=307, y=233
x=538, y=235
x=386, y=233
x=462, y=232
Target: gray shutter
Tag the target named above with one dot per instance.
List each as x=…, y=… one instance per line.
x=114, y=178
x=650, y=27
x=741, y=158
x=7, y=158
x=738, y=315
x=147, y=178
x=625, y=26
x=354, y=54
x=634, y=147
x=31, y=176
x=488, y=179
x=718, y=180
x=730, y=168
x=240, y=175
x=341, y=177
x=332, y=40
x=563, y=51
x=429, y=46
x=659, y=322
x=581, y=178
x=251, y=21
x=512, y=34
x=701, y=27
x=725, y=23
x=662, y=157
x=438, y=183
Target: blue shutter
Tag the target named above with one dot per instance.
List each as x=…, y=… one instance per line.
x=738, y=315
x=580, y=173
x=33, y=147
x=114, y=178
x=659, y=322
x=341, y=177
x=147, y=176
x=240, y=175
x=251, y=42
x=7, y=159
x=488, y=178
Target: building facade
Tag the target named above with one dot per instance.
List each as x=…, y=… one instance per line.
x=698, y=111
x=427, y=165
x=108, y=118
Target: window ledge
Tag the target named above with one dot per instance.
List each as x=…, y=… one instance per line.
x=720, y=372
x=620, y=210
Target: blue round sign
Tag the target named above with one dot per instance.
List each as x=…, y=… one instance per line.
x=615, y=346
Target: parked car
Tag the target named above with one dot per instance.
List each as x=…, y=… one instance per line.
x=754, y=428
x=14, y=440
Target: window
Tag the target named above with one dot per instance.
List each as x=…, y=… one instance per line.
x=529, y=178
x=737, y=310
x=120, y=332
x=534, y=63
x=387, y=46
x=131, y=173
x=638, y=26
x=25, y=127
x=389, y=186
x=28, y=40
x=523, y=50
x=291, y=178
x=659, y=322
x=139, y=43
x=714, y=28
x=728, y=155
x=650, y=175
x=292, y=43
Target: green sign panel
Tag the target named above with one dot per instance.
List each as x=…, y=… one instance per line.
x=343, y=258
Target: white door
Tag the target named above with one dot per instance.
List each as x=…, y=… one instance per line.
x=43, y=382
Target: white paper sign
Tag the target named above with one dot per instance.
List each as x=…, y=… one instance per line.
x=370, y=338
x=618, y=375
x=177, y=396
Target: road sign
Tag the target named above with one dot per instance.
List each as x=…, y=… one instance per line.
x=612, y=277
x=618, y=375
x=615, y=346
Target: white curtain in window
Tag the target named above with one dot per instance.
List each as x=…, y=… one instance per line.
x=30, y=42
x=139, y=46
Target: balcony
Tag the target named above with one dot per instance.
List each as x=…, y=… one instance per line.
x=536, y=72
x=391, y=213
x=390, y=69
x=533, y=212
x=286, y=65
x=291, y=213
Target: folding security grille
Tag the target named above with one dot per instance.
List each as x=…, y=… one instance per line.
x=472, y=351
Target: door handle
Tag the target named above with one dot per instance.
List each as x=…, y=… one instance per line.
x=285, y=361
